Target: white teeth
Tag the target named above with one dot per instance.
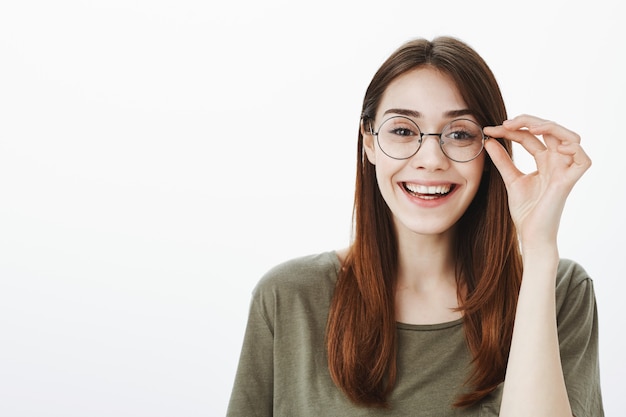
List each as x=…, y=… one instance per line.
x=428, y=189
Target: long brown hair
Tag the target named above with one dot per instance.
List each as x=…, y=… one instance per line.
x=361, y=331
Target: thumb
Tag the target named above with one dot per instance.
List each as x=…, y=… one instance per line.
x=502, y=161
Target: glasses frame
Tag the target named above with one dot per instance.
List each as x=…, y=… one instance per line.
x=439, y=135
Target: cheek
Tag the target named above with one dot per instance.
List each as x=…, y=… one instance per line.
x=472, y=172
x=386, y=169
x=475, y=174
x=381, y=177
x=385, y=176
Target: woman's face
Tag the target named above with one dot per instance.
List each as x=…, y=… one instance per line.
x=427, y=193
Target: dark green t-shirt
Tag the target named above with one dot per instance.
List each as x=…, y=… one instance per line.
x=283, y=367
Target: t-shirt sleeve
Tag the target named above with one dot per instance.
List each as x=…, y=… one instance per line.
x=577, y=318
x=253, y=390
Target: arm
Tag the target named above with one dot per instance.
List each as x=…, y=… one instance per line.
x=577, y=317
x=253, y=390
x=534, y=383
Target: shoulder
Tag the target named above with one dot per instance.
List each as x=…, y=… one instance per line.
x=570, y=276
x=297, y=292
x=574, y=289
x=307, y=273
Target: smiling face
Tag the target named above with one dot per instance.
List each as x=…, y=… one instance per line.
x=426, y=193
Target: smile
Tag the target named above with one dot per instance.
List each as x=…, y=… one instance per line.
x=428, y=192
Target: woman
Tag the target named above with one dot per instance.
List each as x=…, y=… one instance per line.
x=451, y=299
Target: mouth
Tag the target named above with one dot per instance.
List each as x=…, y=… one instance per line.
x=428, y=192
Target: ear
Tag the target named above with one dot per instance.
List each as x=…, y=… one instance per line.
x=368, y=140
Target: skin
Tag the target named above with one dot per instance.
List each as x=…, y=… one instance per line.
x=534, y=383
x=426, y=291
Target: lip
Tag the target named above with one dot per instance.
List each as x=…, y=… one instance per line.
x=429, y=202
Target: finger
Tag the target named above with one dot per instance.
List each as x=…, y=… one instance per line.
x=552, y=142
x=529, y=141
x=523, y=121
x=502, y=161
x=580, y=159
x=538, y=126
x=535, y=126
x=555, y=130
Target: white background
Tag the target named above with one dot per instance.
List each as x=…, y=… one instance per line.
x=157, y=157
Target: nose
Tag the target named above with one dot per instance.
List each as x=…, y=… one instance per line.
x=430, y=156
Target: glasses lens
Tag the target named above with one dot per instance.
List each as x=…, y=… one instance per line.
x=398, y=137
x=462, y=140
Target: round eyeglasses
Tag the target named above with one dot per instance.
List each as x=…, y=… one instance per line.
x=461, y=140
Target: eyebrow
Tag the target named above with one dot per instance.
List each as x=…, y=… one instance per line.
x=416, y=114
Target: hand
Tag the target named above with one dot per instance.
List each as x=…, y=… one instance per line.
x=536, y=200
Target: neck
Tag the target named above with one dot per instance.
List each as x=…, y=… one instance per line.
x=426, y=287
x=425, y=260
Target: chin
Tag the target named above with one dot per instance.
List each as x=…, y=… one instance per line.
x=426, y=229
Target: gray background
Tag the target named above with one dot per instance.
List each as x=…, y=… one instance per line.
x=157, y=157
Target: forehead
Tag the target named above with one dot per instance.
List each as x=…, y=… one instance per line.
x=425, y=90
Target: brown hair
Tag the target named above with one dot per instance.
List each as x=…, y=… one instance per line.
x=361, y=331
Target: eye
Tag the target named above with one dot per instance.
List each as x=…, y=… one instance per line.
x=398, y=130
x=461, y=135
x=462, y=132
x=401, y=127
x=403, y=131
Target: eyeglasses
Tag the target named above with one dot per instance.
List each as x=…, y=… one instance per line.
x=461, y=140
